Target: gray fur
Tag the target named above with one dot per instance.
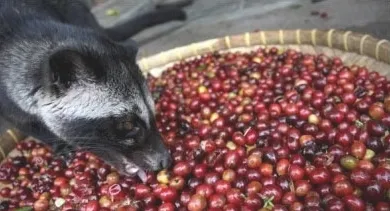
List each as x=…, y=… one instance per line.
x=65, y=81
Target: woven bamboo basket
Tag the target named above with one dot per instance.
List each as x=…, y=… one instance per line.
x=352, y=48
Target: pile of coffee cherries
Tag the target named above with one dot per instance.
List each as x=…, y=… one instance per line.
x=263, y=130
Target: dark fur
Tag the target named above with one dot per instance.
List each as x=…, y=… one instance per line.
x=65, y=80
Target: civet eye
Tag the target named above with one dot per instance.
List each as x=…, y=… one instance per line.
x=127, y=125
x=127, y=129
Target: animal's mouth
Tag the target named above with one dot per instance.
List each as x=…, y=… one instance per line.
x=134, y=170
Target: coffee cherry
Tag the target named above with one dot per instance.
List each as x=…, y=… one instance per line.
x=320, y=176
x=376, y=112
x=41, y=205
x=112, y=178
x=360, y=177
x=302, y=187
x=182, y=169
x=168, y=194
x=234, y=196
x=271, y=191
x=354, y=203
x=205, y=190
x=382, y=175
x=200, y=170
x=282, y=167
x=342, y=188
x=166, y=206
x=375, y=128
x=358, y=149
x=335, y=204
x=295, y=172
x=92, y=205
x=177, y=182
x=373, y=192
x=232, y=159
x=197, y=203
x=349, y=162
x=217, y=201
x=254, y=161
x=141, y=191
x=105, y=202
x=163, y=177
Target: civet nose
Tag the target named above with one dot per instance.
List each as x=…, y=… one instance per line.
x=166, y=161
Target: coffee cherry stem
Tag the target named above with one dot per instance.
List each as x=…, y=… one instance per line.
x=359, y=124
x=27, y=208
x=268, y=204
x=59, y=202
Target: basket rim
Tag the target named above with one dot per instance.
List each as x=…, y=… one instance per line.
x=346, y=41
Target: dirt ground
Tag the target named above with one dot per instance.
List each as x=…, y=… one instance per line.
x=214, y=18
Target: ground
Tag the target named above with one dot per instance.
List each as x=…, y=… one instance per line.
x=214, y=18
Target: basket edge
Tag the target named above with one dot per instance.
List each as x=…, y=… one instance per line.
x=363, y=44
